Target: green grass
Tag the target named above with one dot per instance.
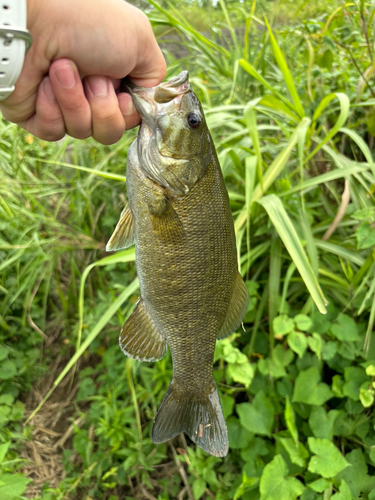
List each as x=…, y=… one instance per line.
x=291, y=116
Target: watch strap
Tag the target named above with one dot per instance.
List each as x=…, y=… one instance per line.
x=14, y=41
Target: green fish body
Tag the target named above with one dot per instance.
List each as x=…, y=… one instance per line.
x=191, y=292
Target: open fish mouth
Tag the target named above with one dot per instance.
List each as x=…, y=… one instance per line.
x=146, y=99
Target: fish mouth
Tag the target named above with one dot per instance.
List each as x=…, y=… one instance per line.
x=146, y=99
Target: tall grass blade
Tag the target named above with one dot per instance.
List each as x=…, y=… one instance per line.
x=344, y=111
x=362, y=146
x=286, y=73
x=284, y=227
x=274, y=285
x=251, y=123
x=253, y=72
x=111, y=311
x=127, y=255
x=100, y=173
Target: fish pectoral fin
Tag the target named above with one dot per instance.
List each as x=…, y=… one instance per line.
x=123, y=235
x=236, y=310
x=167, y=224
x=140, y=338
x=200, y=416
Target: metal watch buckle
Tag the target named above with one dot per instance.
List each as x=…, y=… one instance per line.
x=15, y=33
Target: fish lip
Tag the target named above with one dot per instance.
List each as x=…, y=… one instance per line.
x=176, y=82
x=146, y=99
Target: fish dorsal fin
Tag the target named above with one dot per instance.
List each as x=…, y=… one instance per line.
x=236, y=310
x=123, y=235
x=140, y=338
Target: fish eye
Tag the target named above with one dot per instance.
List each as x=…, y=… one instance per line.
x=194, y=119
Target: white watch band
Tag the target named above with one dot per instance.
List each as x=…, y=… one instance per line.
x=14, y=41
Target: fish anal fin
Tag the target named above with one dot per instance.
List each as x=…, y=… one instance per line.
x=123, y=235
x=140, y=338
x=236, y=310
x=200, y=417
x=167, y=225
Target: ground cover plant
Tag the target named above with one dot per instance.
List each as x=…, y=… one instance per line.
x=290, y=110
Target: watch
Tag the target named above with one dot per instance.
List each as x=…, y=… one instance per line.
x=15, y=39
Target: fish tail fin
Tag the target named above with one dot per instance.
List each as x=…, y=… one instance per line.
x=200, y=416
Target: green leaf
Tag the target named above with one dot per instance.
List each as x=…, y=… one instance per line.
x=3, y=352
x=242, y=373
x=303, y=322
x=328, y=461
x=276, y=365
x=247, y=483
x=298, y=343
x=366, y=396
x=257, y=447
x=344, y=492
x=345, y=329
x=283, y=225
x=315, y=343
x=325, y=60
x=319, y=485
x=227, y=404
x=252, y=287
x=329, y=350
x=370, y=370
x=290, y=420
x=12, y=485
x=238, y=436
x=363, y=214
x=6, y=399
x=3, y=450
x=199, y=487
x=274, y=483
x=365, y=235
x=257, y=417
x=8, y=370
x=337, y=385
x=355, y=376
x=309, y=390
x=321, y=423
x=356, y=475
x=282, y=325
x=297, y=452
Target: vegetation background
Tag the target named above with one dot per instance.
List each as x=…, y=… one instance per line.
x=288, y=91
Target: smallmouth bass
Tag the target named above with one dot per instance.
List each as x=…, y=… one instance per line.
x=191, y=291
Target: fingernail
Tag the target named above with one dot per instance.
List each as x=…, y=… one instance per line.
x=130, y=108
x=98, y=85
x=65, y=76
x=47, y=89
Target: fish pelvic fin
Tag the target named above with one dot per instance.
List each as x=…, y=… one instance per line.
x=123, y=235
x=140, y=338
x=236, y=310
x=201, y=418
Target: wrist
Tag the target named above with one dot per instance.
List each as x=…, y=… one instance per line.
x=14, y=40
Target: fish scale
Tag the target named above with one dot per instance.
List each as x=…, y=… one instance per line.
x=180, y=220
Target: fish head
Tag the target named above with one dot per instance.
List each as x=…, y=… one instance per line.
x=174, y=144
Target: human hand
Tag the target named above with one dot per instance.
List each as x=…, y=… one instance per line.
x=85, y=48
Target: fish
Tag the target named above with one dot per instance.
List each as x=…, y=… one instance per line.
x=192, y=293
